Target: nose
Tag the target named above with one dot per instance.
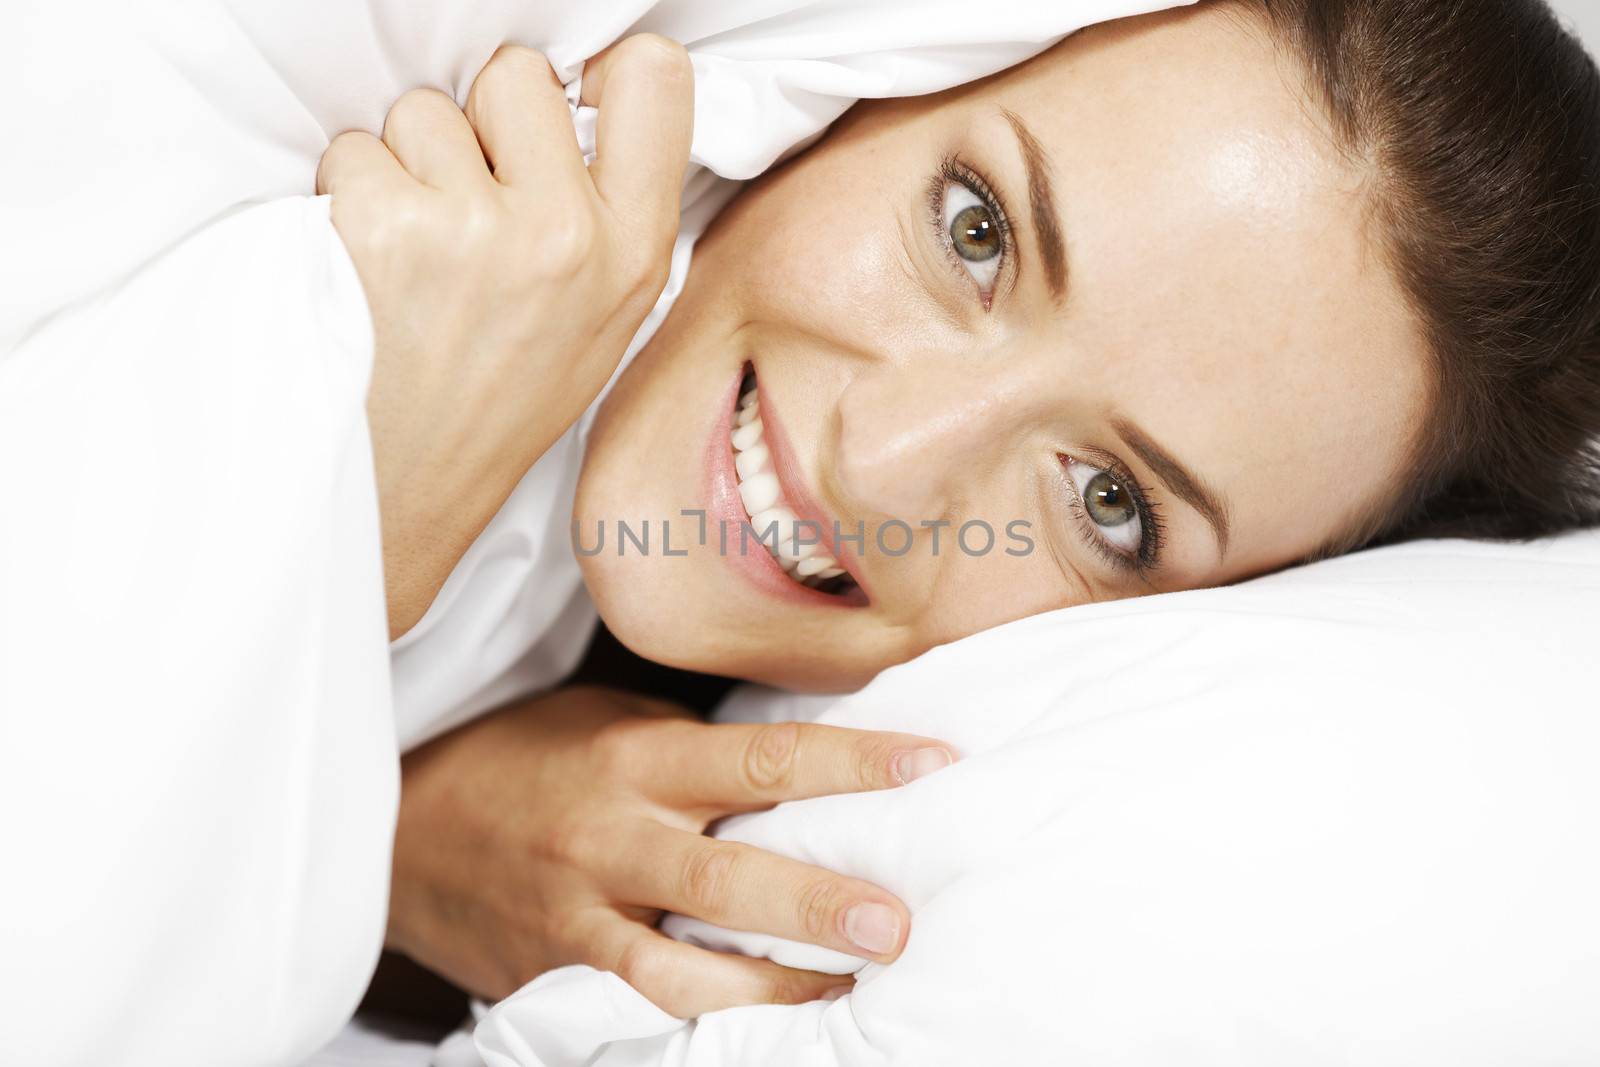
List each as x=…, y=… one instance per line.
x=911, y=439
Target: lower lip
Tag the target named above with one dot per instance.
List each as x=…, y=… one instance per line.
x=725, y=512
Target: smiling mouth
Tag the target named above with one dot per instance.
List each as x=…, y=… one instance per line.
x=766, y=506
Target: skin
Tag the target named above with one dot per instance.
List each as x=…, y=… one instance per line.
x=504, y=279
x=499, y=268
x=496, y=881
x=1223, y=293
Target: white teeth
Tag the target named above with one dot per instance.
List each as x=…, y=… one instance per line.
x=747, y=435
x=781, y=517
x=816, y=565
x=752, y=461
x=762, y=495
x=789, y=547
x=759, y=493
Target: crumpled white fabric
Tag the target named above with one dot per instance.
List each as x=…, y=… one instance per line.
x=197, y=761
x=150, y=122
x=1341, y=816
x=197, y=726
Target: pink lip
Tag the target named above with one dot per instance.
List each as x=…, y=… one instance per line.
x=725, y=510
x=797, y=492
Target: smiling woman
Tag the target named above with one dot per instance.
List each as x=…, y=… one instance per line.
x=1193, y=296
x=1189, y=297
x=1170, y=302
x=1128, y=295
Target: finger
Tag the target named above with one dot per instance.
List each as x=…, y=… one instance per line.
x=736, y=767
x=685, y=981
x=432, y=139
x=644, y=88
x=744, y=888
x=357, y=159
x=520, y=113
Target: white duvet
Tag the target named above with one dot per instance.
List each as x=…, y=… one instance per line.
x=1341, y=816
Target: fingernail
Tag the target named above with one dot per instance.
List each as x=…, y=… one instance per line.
x=873, y=928
x=909, y=766
x=836, y=992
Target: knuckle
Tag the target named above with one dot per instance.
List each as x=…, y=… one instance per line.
x=786, y=988
x=479, y=222
x=816, y=908
x=641, y=964
x=377, y=233
x=661, y=56
x=340, y=155
x=567, y=240
x=618, y=749
x=415, y=107
x=556, y=235
x=769, y=760
x=563, y=841
x=791, y=989
x=708, y=879
x=548, y=940
x=523, y=56
x=656, y=980
x=647, y=966
x=872, y=762
x=346, y=142
x=401, y=227
x=510, y=67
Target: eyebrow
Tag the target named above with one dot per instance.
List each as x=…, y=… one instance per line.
x=1179, y=479
x=1041, y=206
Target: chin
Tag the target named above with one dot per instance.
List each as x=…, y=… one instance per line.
x=668, y=615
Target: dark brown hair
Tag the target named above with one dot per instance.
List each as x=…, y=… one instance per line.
x=1479, y=123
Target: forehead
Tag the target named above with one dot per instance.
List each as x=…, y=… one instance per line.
x=1226, y=291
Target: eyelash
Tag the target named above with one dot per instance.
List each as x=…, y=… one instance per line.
x=1152, y=529
x=952, y=170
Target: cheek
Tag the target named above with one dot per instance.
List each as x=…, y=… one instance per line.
x=976, y=593
x=827, y=270
x=824, y=252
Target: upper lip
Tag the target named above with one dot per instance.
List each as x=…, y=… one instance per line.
x=797, y=490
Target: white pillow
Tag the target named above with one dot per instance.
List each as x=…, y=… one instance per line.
x=1340, y=815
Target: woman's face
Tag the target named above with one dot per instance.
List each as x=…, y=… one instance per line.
x=1117, y=307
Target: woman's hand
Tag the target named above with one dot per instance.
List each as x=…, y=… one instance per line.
x=557, y=832
x=505, y=279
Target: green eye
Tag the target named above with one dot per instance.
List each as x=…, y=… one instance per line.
x=1108, y=503
x=1114, y=514
x=975, y=231
x=975, y=234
